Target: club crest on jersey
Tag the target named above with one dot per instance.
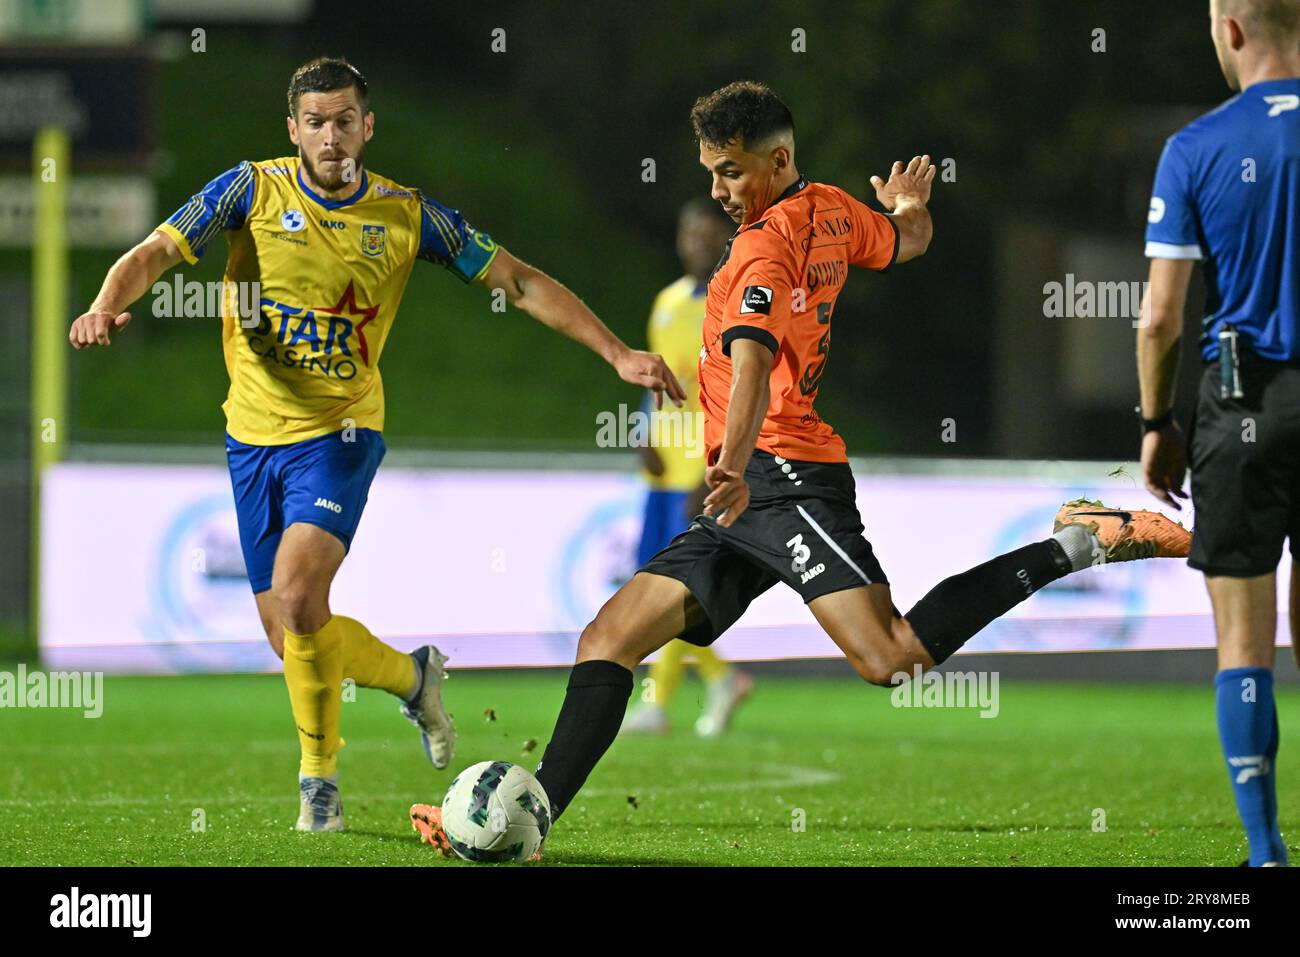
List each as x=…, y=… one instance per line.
x=372, y=240
x=292, y=220
x=756, y=299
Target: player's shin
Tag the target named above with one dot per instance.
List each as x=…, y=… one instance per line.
x=958, y=608
x=371, y=663
x=313, y=672
x=589, y=720
x=1248, y=732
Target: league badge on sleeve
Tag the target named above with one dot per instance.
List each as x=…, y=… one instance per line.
x=372, y=240
x=756, y=299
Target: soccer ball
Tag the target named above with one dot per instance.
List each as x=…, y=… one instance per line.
x=495, y=811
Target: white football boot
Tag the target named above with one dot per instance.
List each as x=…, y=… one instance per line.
x=425, y=711
x=319, y=806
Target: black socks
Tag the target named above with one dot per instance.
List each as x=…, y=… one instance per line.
x=957, y=608
x=588, y=723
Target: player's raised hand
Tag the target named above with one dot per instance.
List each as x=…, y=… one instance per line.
x=911, y=181
x=93, y=328
x=649, y=370
x=729, y=495
x=1164, y=464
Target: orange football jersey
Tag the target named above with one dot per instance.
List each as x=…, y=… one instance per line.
x=777, y=283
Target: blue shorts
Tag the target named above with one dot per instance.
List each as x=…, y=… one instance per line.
x=322, y=481
x=665, y=518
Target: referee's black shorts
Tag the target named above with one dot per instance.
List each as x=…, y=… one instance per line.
x=802, y=528
x=1245, y=460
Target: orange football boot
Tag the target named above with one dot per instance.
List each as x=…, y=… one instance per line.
x=1127, y=535
x=426, y=819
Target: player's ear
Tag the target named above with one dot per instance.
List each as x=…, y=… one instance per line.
x=1236, y=37
x=292, y=124
x=781, y=158
x=369, y=126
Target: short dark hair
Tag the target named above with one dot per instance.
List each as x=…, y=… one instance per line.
x=745, y=110
x=323, y=75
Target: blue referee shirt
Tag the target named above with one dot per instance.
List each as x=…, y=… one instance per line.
x=1228, y=191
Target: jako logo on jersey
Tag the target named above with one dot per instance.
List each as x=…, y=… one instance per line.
x=812, y=573
x=372, y=240
x=756, y=299
x=332, y=506
x=1157, y=211
x=1282, y=102
x=332, y=224
x=292, y=220
x=319, y=339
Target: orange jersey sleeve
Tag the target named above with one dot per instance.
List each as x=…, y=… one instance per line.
x=873, y=238
x=759, y=302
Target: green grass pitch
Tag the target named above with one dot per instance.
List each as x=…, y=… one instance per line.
x=871, y=784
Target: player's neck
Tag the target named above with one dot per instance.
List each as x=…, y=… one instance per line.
x=783, y=182
x=1271, y=66
x=346, y=191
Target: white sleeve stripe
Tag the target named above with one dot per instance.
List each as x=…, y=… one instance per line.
x=1170, y=251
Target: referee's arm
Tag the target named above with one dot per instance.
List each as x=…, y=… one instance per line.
x=1159, y=341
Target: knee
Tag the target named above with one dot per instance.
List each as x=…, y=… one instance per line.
x=599, y=641
x=880, y=670
x=888, y=664
x=296, y=605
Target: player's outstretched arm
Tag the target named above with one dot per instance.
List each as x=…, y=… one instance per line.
x=551, y=303
x=905, y=196
x=751, y=367
x=128, y=280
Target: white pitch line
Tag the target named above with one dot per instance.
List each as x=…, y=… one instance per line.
x=785, y=775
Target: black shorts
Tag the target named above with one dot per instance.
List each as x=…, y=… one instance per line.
x=802, y=527
x=1245, y=460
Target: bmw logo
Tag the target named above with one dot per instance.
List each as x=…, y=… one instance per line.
x=292, y=220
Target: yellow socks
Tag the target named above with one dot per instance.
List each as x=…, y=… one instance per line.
x=666, y=672
x=371, y=663
x=710, y=666
x=313, y=672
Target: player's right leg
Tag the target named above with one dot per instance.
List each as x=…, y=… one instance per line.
x=645, y=614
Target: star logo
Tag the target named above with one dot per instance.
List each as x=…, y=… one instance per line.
x=347, y=306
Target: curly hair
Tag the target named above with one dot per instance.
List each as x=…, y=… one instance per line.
x=323, y=75
x=745, y=110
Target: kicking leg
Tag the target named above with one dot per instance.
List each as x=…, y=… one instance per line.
x=1245, y=619
x=366, y=660
x=643, y=615
x=880, y=644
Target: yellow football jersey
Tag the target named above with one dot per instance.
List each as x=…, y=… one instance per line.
x=676, y=333
x=303, y=359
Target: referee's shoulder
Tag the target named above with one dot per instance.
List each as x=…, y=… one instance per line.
x=1210, y=124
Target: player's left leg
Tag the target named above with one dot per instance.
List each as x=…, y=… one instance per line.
x=886, y=648
x=1245, y=620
